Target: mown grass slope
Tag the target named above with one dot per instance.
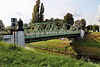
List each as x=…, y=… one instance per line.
x=11, y=56
x=89, y=46
x=56, y=45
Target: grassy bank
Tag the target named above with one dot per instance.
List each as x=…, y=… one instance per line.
x=89, y=46
x=90, y=40
x=56, y=45
x=11, y=56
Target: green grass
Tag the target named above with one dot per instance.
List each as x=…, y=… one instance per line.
x=88, y=44
x=15, y=56
x=55, y=44
x=90, y=40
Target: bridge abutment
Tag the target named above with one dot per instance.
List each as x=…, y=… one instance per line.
x=21, y=39
x=16, y=36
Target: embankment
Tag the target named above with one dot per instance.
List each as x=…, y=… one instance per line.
x=15, y=56
x=89, y=46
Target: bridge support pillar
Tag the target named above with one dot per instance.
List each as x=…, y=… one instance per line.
x=20, y=32
x=19, y=35
x=21, y=39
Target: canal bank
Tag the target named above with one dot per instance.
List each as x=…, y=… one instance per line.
x=88, y=48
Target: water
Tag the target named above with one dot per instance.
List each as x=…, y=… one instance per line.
x=88, y=59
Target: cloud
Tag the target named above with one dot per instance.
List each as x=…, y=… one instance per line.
x=69, y=9
x=76, y=14
x=63, y=1
x=19, y=13
x=98, y=14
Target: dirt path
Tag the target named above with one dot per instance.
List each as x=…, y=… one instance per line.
x=29, y=48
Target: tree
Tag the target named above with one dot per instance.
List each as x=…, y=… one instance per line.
x=57, y=19
x=89, y=27
x=30, y=23
x=33, y=20
x=35, y=14
x=80, y=24
x=8, y=27
x=51, y=19
x=25, y=25
x=83, y=23
x=46, y=20
x=1, y=24
x=41, y=13
x=95, y=28
x=77, y=24
x=68, y=18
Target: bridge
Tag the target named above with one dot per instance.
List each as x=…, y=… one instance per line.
x=47, y=30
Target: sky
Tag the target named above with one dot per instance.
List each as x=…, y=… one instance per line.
x=80, y=9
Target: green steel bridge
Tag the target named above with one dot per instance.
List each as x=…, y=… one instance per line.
x=47, y=30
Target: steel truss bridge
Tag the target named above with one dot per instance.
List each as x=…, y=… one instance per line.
x=49, y=30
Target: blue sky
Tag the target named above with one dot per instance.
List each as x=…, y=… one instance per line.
x=87, y=9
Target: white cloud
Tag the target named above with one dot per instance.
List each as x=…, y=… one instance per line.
x=69, y=9
x=98, y=14
x=19, y=13
x=15, y=9
x=63, y=1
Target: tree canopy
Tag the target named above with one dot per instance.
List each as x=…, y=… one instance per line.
x=25, y=25
x=80, y=24
x=68, y=18
x=37, y=15
x=41, y=12
x=1, y=24
x=52, y=19
x=93, y=27
x=77, y=24
x=83, y=23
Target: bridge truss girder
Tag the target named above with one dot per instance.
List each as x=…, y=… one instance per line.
x=48, y=29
